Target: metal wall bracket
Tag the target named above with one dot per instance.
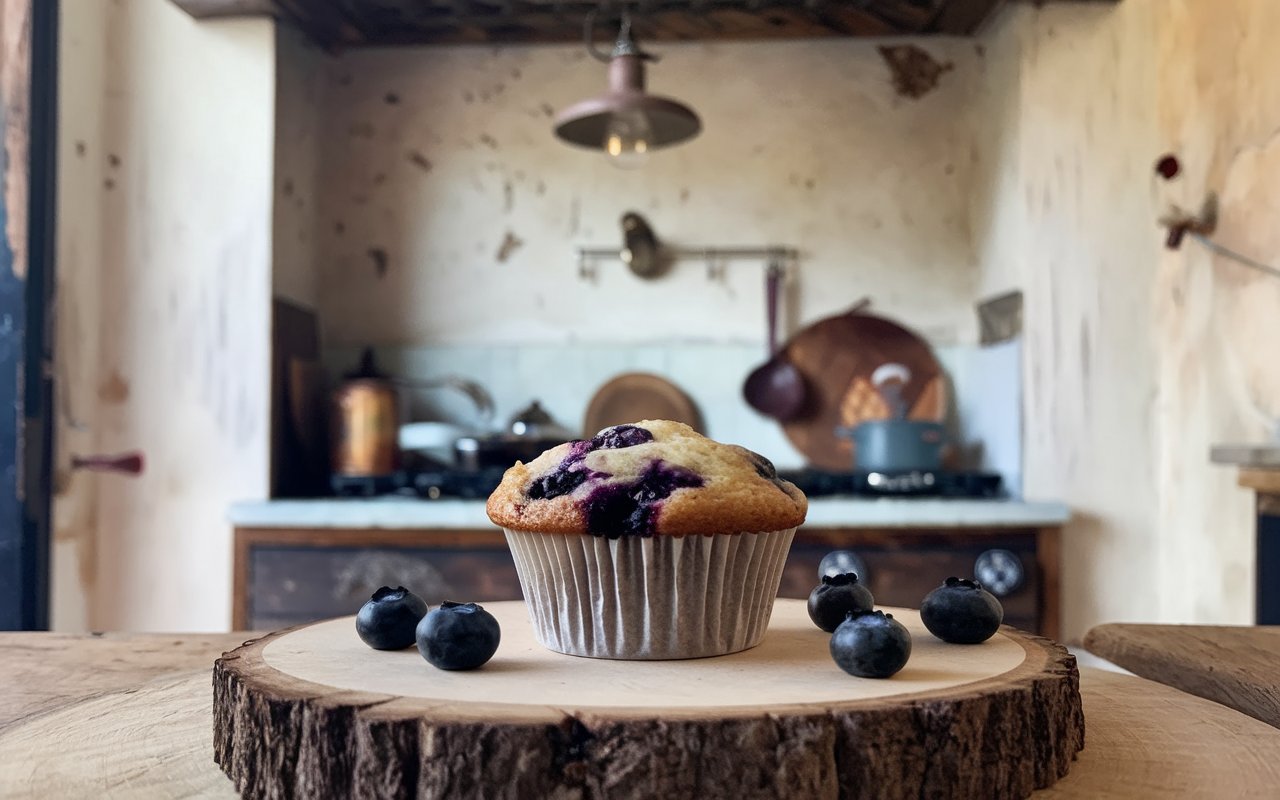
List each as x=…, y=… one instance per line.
x=715, y=258
x=647, y=257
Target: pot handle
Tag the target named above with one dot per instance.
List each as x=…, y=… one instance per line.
x=887, y=372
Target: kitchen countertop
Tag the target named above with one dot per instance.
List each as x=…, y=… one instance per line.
x=825, y=512
x=131, y=715
x=1265, y=455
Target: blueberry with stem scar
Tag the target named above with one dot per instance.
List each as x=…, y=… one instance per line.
x=835, y=598
x=387, y=621
x=871, y=645
x=458, y=636
x=961, y=612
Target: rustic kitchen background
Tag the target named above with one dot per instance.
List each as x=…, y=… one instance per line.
x=416, y=200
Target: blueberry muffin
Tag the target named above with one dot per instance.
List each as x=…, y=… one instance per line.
x=648, y=541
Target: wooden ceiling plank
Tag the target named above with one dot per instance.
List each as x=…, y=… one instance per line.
x=904, y=16
x=964, y=17
x=212, y=9
x=844, y=19
x=348, y=23
x=324, y=25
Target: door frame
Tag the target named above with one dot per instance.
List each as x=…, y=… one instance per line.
x=28, y=122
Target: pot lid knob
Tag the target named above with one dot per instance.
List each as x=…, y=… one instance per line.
x=532, y=420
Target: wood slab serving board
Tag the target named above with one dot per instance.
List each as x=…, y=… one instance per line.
x=313, y=712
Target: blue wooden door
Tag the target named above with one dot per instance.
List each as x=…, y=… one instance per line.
x=1268, y=578
x=28, y=58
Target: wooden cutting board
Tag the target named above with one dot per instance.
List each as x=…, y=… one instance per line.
x=836, y=356
x=315, y=710
x=635, y=396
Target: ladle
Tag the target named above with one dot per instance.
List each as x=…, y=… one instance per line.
x=775, y=388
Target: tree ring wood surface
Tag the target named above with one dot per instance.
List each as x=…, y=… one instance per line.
x=313, y=712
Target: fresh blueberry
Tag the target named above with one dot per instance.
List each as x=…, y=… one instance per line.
x=630, y=508
x=871, y=645
x=961, y=612
x=388, y=620
x=837, y=597
x=620, y=436
x=839, y=562
x=458, y=636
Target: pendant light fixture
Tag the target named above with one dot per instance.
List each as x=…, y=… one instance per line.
x=625, y=122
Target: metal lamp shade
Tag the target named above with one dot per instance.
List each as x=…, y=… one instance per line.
x=584, y=123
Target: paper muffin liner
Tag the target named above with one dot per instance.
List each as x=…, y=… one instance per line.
x=656, y=597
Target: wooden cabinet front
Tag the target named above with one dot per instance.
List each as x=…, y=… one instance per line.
x=288, y=576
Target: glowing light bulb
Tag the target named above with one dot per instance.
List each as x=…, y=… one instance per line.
x=626, y=139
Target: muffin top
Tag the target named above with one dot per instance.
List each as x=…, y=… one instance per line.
x=652, y=477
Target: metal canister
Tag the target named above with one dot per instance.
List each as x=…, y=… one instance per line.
x=366, y=415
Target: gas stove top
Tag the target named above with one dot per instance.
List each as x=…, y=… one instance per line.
x=926, y=483
x=437, y=484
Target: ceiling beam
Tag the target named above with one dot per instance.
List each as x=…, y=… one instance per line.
x=336, y=24
x=964, y=17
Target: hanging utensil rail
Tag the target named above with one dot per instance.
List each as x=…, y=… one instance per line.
x=715, y=257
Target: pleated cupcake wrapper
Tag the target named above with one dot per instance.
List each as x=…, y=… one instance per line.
x=657, y=597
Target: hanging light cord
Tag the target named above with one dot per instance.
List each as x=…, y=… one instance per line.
x=1214, y=247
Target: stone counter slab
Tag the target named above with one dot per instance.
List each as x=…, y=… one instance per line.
x=824, y=512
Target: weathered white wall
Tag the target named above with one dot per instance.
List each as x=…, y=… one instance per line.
x=437, y=156
x=1030, y=167
x=299, y=128
x=1088, y=254
x=1218, y=321
x=82, y=100
x=164, y=247
x=1137, y=359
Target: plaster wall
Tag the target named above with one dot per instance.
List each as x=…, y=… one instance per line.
x=1138, y=359
x=1218, y=321
x=164, y=280
x=450, y=213
x=417, y=198
x=299, y=129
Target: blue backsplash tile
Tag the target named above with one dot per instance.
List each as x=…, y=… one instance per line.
x=985, y=389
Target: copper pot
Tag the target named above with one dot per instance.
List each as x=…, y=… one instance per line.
x=366, y=423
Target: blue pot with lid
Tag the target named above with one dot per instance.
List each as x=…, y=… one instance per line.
x=896, y=444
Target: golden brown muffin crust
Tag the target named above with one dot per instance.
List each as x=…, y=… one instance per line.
x=740, y=491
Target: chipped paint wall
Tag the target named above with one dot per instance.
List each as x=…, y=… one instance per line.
x=1218, y=321
x=164, y=278
x=417, y=198
x=1074, y=229
x=1137, y=359
x=450, y=213
x=299, y=129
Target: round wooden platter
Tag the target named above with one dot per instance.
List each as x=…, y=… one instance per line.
x=313, y=712
x=837, y=356
x=634, y=396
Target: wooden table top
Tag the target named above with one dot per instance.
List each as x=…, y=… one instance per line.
x=1237, y=666
x=129, y=715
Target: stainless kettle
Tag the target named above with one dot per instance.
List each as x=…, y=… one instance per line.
x=533, y=422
